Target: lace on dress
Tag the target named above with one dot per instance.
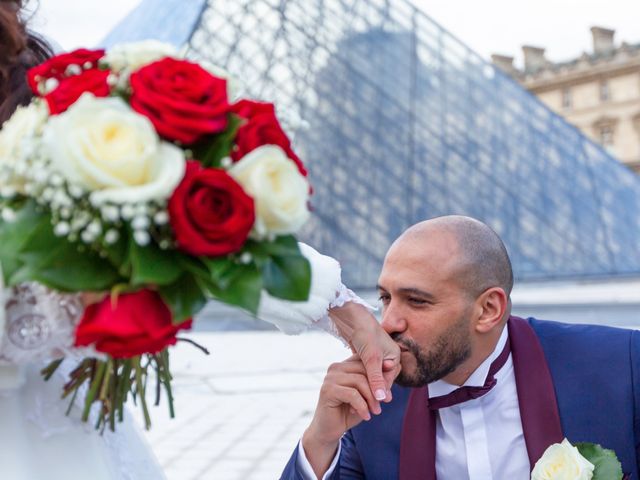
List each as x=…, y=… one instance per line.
x=39, y=326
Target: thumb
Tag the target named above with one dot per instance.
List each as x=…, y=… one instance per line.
x=377, y=383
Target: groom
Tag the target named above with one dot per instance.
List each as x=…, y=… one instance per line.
x=488, y=392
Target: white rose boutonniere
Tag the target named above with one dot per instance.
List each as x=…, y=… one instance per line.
x=584, y=461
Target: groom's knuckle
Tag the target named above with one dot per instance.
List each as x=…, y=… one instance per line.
x=333, y=367
x=326, y=389
x=374, y=357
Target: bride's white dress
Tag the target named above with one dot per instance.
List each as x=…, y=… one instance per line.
x=39, y=441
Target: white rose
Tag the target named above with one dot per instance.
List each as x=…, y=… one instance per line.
x=562, y=461
x=103, y=146
x=133, y=55
x=17, y=142
x=278, y=188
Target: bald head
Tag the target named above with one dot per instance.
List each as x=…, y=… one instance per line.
x=479, y=257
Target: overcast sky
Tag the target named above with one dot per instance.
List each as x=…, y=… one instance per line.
x=488, y=26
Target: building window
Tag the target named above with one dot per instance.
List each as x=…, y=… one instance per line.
x=566, y=98
x=604, y=91
x=604, y=130
x=606, y=135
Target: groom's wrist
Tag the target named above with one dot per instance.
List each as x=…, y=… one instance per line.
x=319, y=450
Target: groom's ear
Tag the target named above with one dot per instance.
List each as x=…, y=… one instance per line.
x=492, y=305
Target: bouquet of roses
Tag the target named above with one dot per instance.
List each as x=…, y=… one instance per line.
x=132, y=174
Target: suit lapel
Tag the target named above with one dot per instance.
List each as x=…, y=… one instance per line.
x=536, y=395
x=418, y=441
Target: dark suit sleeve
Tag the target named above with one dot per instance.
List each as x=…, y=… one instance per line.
x=349, y=466
x=635, y=369
x=291, y=471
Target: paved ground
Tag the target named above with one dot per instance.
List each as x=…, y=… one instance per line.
x=241, y=410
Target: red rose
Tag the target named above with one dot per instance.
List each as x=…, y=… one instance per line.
x=210, y=213
x=248, y=109
x=261, y=128
x=183, y=101
x=70, y=89
x=138, y=323
x=56, y=67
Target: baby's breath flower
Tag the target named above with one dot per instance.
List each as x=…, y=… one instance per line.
x=110, y=213
x=161, y=218
x=61, y=229
x=111, y=236
x=142, y=237
x=8, y=215
x=127, y=212
x=87, y=236
x=95, y=228
x=140, y=223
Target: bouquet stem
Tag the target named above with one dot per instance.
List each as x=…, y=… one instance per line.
x=109, y=383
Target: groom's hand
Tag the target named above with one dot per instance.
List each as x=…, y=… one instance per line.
x=379, y=353
x=345, y=401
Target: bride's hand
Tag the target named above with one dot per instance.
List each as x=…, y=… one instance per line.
x=378, y=352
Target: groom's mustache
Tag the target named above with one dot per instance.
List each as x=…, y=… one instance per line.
x=405, y=344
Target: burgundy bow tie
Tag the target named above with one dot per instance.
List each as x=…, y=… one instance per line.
x=463, y=394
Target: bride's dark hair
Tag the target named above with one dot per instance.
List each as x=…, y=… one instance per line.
x=20, y=50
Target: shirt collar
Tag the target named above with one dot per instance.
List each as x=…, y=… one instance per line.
x=479, y=375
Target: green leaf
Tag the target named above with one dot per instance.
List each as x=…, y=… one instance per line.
x=194, y=266
x=79, y=275
x=286, y=272
x=221, y=270
x=13, y=236
x=243, y=289
x=151, y=265
x=184, y=297
x=211, y=151
x=607, y=465
x=288, y=277
x=284, y=245
x=117, y=254
x=60, y=264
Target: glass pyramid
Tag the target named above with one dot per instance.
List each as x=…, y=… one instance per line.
x=398, y=121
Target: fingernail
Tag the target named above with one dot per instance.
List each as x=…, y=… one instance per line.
x=380, y=394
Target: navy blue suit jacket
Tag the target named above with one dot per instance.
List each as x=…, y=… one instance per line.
x=596, y=375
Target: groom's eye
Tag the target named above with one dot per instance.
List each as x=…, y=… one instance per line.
x=417, y=301
x=384, y=298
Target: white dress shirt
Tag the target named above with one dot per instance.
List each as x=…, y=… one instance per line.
x=480, y=439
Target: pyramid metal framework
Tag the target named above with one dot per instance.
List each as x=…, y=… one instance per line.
x=398, y=121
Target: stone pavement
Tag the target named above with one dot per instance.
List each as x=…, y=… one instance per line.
x=241, y=410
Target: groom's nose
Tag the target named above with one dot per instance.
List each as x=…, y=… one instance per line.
x=393, y=319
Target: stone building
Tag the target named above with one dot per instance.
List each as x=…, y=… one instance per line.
x=598, y=92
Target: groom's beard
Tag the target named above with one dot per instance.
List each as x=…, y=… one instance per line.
x=448, y=352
